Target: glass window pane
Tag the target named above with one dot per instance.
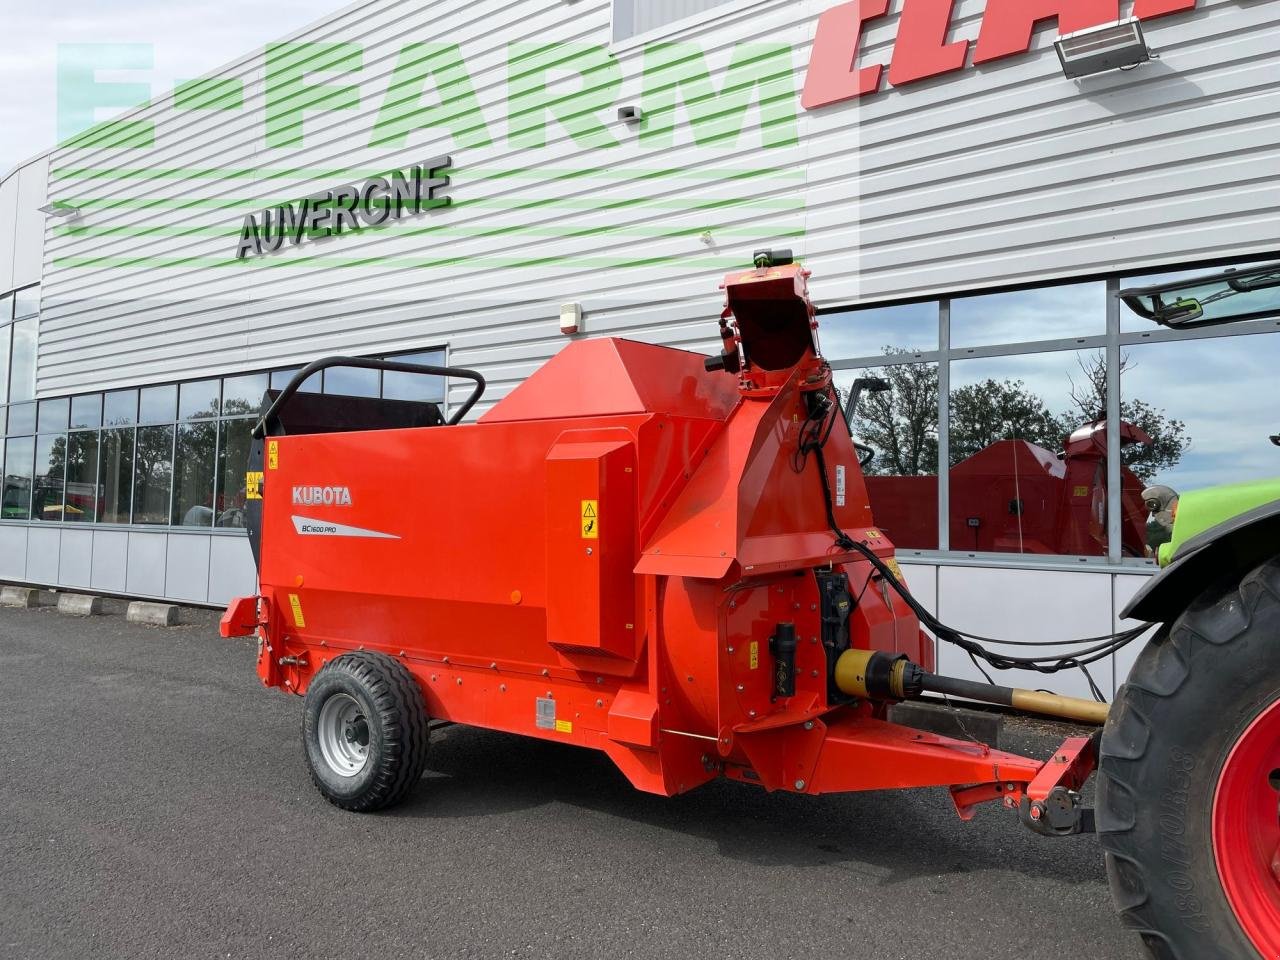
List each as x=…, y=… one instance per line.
x=351, y=381
x=120, y=408
x=6, y=335
x=53, y=415
x=6, y=309
x=51, y=464
x=1049, y=313
x=1018, y=484
x=243, y=395
x=81, y=504
x=18, y=460
x=280, y=379
x=22, y=362
x=116, y=472
x=22, y=419
x=198, y=399
x=26, y=303
x=1199, y=401
x=157, y=404
x=193, y=474
x=895, y=424
x=415, y=386
x=86, y=411
x=233, y=462
x=912, y=328
x=152, y=474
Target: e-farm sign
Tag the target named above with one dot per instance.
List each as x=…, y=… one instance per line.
x=347, y=209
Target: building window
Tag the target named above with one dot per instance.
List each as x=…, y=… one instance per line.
x=634, y=17
x=1012, y=398
x=165, y=455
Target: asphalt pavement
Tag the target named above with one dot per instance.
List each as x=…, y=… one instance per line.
x=154, y=804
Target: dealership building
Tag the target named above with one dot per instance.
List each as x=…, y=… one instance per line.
x=971, y=183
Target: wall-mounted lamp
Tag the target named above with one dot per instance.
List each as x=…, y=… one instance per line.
x=1112, y=46
x=630, y=114
x=63, y=211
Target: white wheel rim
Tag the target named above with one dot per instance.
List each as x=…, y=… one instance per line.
x=343, y=732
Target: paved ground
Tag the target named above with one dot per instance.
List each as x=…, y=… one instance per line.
x=154, y=803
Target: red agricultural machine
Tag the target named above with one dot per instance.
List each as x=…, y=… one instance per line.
x=662, y=557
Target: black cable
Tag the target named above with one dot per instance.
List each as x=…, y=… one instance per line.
x=1098, y=648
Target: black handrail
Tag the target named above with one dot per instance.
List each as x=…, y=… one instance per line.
x=301, y=377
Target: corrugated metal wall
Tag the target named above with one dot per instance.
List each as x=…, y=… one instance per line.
x=996, y=175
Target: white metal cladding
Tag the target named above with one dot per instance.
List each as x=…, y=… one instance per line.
x=990, y=176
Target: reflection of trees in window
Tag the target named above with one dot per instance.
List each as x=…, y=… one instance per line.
x=193, y=474
x=152, y=475
x=901, y=424
x=81, y=503
x=46, y=493
x=17, y=478
x=233, y=460
x=1169, y=436
x=117, y=474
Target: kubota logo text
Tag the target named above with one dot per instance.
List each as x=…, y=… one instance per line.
x=322, y=496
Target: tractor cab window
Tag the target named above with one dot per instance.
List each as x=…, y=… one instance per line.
x=1190, y=300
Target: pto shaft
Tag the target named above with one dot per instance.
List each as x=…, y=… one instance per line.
x=872, y=675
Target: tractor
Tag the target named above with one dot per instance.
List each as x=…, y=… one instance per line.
x=672, y=559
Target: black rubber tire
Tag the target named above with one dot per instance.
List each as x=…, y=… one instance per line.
x=397, y=720
x=1192, y=694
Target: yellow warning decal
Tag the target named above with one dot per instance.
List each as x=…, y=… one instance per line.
x=273, y=454
x=755, y=655
x=298, y=619
x=590, y=519
x=892, y=564
x=874, y=535
x=253, y=485
x=564, y=726
x=1080, y=492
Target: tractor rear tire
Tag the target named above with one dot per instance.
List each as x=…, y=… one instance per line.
x=1189, y=779
x=365, y=731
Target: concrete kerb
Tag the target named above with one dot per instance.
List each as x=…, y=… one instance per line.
x=154, y=614
x=80, y=605
x=14, y=596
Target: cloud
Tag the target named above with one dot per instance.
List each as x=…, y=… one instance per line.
x=188, y=39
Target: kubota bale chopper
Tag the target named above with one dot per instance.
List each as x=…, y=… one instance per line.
x=673, y=560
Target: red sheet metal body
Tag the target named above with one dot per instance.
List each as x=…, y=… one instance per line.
x=618, y=538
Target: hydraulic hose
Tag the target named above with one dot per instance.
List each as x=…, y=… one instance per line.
x=813, y=439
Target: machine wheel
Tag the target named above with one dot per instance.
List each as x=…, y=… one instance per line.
x=365, y=731
x=1189, y=780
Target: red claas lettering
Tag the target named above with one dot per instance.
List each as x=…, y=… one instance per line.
x=922, y=48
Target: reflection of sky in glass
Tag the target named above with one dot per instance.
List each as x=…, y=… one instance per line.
x=1047, y=375
x=1223, y=390
x=867, y=333
x=1078, y=310
x=1130, y=322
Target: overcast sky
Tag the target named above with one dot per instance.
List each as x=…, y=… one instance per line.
x=189, y=39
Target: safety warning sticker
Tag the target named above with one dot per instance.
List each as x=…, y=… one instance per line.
x=273, y=454
x=253, y=485
x=590, y=519
x=564, y=726
x=841, y=486
x=296, y=604
x=755, y=655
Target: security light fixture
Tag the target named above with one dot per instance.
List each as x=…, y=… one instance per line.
x=1112, y=46
x=632, y=115
x=61, y=210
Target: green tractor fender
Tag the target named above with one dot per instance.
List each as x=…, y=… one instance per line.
x=1226, y=551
